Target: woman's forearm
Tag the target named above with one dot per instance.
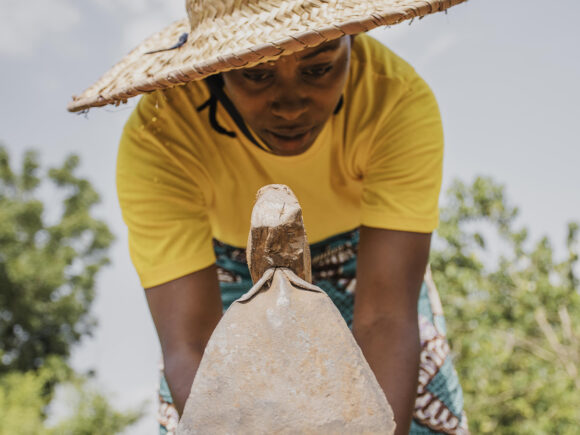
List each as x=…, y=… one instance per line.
x=390, y=269
x=185, y=312
x=392, y=351
x=180, y=369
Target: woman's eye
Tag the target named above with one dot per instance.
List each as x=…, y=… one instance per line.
x=257, y=76
x=316, y=72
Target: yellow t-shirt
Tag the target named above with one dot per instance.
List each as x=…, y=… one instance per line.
x=377, y=163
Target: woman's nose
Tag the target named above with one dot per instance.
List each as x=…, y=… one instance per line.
x=289, y=105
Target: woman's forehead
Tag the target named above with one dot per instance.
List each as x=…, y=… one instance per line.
x=312, y=52
x=308, y=53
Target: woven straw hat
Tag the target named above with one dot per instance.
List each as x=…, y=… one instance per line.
x=221, y=35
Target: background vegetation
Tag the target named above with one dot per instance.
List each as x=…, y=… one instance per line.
x=50, y=254
x=513, y=311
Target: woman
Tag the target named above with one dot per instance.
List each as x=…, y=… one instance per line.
x=348, y=125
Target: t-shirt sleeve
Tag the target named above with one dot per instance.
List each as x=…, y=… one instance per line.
x=402, y=178
x=162, y=204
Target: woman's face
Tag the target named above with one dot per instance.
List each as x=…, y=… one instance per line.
x=287, y=102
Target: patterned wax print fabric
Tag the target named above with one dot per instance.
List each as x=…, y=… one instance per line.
x=439, y=403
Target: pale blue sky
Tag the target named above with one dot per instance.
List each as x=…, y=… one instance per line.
x=506, y=74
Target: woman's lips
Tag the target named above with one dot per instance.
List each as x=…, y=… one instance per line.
x=289, y=141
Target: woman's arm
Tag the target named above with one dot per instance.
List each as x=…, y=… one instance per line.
x=185, y=312
x=390, y=269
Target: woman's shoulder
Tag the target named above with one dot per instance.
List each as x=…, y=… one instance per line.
x=383, y=93
x=379, y=78
x=373, y=62
x=170, y=121
x=179, y=99
x=174, y=114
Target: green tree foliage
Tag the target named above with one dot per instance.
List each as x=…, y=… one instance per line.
x=49, y=259
x=47, y=270
x=23, y=404
x=22, y=401
x=93, y=415
x=513, y=314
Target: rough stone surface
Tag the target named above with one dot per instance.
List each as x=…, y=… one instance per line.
x=282, y=360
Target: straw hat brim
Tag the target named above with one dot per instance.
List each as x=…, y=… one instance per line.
x=213, y=47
